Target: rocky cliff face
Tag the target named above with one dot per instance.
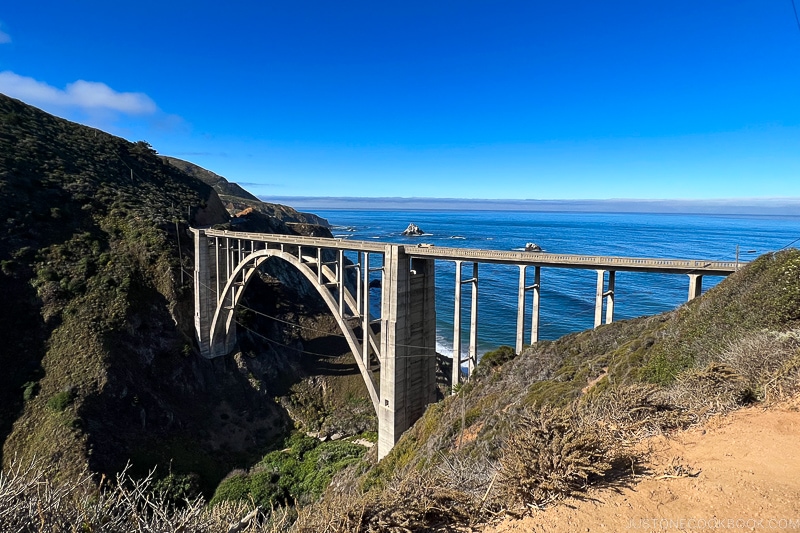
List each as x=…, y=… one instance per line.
x=237, y=199
x=98, y=363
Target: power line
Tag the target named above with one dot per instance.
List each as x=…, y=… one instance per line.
x=325, y=354
x=796, y=18
x=797, y=239
x=341, y=335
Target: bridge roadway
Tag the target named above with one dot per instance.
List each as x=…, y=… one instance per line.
x=589, y=262
x=405, y=350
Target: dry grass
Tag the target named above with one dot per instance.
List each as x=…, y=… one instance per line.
x=552, y=453
x=763, y=366
x=30, y=501
x=418, y=501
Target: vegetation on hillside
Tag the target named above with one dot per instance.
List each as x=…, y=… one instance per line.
x=564, y=415
x=99, y=362
x=91, y=229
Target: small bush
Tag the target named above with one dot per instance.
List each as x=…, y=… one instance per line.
x=30, y=390
x=497, y=357
x=60, y=401
x=235, y=487
x=7, y=266
x=663, y=369
x=178, y=488
x=300, y=473
x=552, y=455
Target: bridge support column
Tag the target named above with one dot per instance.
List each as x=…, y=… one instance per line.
x=472, y=361
x=521, y=309
x=206, y=276
x=602, y=294
x=408, y=344
x=536, y=287
x=609, y=294
x=522, y=289
x=456, y=373
x=695, y=286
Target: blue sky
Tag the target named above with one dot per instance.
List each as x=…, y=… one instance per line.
x=503, y=99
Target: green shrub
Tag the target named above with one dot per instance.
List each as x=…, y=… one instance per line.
x=235, y=487
x=662, y=369
x=60, y=401
x=7, y=266
x=497, y=357
x=30, y=390
x=178, y=488
x=299, y=473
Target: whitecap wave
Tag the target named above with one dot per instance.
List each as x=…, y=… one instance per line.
x=443, y=349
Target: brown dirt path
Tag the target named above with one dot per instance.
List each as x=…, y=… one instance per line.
x=748, y=480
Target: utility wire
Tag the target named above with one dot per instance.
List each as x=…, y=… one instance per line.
x=308, y=328
x=796, y=18
x=341, y=335
x=797, y=239
x=277, y=343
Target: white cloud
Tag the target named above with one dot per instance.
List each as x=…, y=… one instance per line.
x=84, y=95
x=4, y=37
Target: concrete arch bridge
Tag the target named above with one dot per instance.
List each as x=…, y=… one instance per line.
x=405, y=348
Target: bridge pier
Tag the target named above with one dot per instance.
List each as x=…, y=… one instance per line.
x=522, y=289
x=408, y=344
x=695, y=286
x=472, y=354
x=602, y=294
x=206, y=301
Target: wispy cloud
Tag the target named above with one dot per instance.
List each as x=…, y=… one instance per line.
x=84, y=95
x=4, y=37
x=257, y=184
x=217, y=154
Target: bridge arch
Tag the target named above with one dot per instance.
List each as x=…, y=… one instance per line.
x=226, y=261
x=241, y=276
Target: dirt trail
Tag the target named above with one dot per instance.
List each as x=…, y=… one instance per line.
x=748, y=480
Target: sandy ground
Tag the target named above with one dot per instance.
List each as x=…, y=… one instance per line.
x=740, y=472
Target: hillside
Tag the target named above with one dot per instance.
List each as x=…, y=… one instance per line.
x=236, y=199
x=531, y=430
x=99, y=363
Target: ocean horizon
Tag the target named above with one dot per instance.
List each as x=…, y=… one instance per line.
x=787, y=206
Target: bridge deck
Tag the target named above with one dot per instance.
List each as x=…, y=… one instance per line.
x=591, y=262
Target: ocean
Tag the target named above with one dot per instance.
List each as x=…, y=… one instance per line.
x=567, y=295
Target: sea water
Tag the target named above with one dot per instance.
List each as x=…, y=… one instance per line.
x=567, y=295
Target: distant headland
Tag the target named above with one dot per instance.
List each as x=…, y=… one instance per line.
x=737, y=206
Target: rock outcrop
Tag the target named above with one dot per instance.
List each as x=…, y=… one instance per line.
x=413, y=230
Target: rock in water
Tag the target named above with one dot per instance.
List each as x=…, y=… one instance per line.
x=413, y=230
x=532, y=247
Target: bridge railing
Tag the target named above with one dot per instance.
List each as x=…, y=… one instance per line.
x=642, y=264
